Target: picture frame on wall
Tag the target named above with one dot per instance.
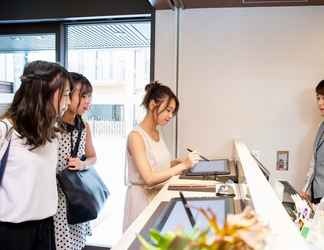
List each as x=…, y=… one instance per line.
x=282, y=160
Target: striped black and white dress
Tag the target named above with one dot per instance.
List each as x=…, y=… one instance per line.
x=69, y=237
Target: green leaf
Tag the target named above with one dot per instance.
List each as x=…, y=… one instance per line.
x=163, y=241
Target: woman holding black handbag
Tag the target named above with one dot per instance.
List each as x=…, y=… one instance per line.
x=28, y=192
x=76, y=155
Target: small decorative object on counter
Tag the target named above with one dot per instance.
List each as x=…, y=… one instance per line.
x=240, y=232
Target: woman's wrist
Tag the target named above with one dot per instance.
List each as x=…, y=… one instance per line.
x=83, y=165
x=181, y=168
x=186, y=164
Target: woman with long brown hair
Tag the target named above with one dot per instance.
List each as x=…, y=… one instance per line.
x=28, y=192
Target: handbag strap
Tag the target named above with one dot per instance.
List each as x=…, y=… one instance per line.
x=4, y=158
x=75, y=148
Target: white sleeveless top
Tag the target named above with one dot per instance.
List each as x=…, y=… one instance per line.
x=157, y=155
x=28, y=190
x=138, y=196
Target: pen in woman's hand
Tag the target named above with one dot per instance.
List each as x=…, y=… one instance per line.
x=202, y=157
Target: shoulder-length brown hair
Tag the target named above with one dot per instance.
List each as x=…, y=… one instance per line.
x=32, y=111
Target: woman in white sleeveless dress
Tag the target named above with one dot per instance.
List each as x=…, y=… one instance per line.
x=148, y=158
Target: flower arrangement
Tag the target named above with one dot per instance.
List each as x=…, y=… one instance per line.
x=240, y=232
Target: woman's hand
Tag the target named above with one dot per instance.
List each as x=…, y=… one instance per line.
x=192, y=159
x=74, y=164
x=305, y=195
x=176, y=162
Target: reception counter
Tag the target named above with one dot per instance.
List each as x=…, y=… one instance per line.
x=252, y=187
x=284, y=233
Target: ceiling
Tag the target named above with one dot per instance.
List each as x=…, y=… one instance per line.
x=188, y=4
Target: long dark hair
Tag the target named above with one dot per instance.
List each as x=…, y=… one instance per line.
x=86, y=87
x=32, y=111
x=159, y=92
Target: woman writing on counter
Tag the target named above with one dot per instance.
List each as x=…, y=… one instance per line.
x=148, y=158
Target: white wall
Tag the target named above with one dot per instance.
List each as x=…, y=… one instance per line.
x=248, y=73
x=165, y=62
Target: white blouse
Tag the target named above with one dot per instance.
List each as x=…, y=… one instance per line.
x=157, y=155
x=138, y=195
x=28, y=190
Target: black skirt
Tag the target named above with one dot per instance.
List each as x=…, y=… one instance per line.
x=29, y=235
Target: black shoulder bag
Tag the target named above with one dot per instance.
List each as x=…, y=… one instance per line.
x=85, y=192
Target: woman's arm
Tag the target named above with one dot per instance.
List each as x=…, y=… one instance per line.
x=136, y=149
x=90, y=153
x=176, y=162
x=309, y=177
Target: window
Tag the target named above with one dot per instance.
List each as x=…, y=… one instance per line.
x=115, y=57
x=15, y=52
